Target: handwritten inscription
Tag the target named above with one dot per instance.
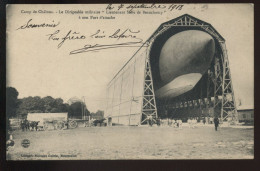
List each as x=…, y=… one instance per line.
x=120, y=37
x=131, y=7
x=118, y=34
x=29, y=24
x=98, y=47
x=71, y=35
x=99, y=34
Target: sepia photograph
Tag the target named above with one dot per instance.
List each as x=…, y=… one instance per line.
x=129, y=81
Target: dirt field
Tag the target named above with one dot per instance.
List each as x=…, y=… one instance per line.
x=202, y=142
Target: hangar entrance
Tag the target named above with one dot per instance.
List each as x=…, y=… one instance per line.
x=181, y=71
x=212, y=95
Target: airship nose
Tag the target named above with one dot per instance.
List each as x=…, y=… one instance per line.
x=186, y=52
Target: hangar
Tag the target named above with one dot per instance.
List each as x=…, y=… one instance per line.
x=181, y=71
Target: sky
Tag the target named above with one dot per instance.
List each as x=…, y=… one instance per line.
x=37, y=67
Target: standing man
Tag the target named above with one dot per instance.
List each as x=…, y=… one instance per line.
x=180, y=123
x=158, y=121
x=150, y=120
x=189, y=122
x=216, y=122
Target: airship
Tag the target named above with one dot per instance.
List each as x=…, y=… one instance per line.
x=182, y=61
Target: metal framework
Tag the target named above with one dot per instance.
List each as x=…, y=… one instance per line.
x=219, y=76
x=228, y=98
x=149, y=110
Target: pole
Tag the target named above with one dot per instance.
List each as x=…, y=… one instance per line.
x=84, y=114
x=81, y=110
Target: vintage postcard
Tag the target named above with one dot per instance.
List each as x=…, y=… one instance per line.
x=130, y=81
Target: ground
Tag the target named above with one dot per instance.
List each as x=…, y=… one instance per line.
x=84, y=143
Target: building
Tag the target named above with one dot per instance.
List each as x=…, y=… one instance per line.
x=245, y=114
x=182, y=70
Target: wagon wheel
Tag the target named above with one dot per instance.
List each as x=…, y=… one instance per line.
x=60, y=125
x=73, y=124
x=45, y=126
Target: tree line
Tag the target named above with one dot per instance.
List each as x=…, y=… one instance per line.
x=21, y=107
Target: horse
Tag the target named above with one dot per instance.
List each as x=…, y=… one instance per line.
x=96, y=122
x=34, y=125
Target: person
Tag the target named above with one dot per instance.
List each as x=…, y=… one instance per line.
x=176, y=123
x=10, y=142
x=189, y=122
x=180, y=124
x=158, y=121
x=216, y=122
x=229, y=120
x=169, y=122
x=211, y=120
x=194, y=122
x=173, y=122
x=150, y=120
x=204, y=120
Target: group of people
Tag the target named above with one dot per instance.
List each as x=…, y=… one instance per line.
x=192, y=122
x=177, y=123
x=29, y=125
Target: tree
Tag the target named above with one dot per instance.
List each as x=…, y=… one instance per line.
x=75, y=110
x=31, y=105
x=64, y=107
x=41, y=105
x=100, y=112
x=49, y=103
x=98, y=115
x=11, y=102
